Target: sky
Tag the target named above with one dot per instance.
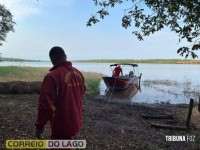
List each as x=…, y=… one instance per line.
x=42, y=24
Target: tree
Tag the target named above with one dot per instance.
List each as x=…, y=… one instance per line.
x=6, y=23
x=181, y=16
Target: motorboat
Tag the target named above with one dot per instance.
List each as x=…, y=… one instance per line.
x=130, y=77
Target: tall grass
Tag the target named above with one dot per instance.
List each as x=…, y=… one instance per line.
x=92, y=81
x=15, y=73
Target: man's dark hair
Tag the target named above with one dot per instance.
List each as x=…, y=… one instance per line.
x=57, y=53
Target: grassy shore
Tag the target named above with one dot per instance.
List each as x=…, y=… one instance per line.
x=14, y=73
x=153, y=61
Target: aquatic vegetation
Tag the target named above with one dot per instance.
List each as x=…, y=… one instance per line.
x=185, y=88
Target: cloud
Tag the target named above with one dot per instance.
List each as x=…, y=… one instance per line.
x=21, y=9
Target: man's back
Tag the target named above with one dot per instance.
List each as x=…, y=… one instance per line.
x=61, y=96
x=68, y=115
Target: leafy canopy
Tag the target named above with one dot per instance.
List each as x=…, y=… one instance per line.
x=6, y=23
x=181, y=16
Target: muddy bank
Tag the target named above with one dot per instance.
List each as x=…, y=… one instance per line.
x=23, y=87
x=20, y=87
x=110, y=125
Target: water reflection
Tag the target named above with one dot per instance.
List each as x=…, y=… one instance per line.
x=125, y=94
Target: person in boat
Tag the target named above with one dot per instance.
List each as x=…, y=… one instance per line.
x=117, y=71
x=60, y=100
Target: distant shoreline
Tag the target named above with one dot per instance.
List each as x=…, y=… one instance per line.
x=147, y=61
x=150, y=61
x=20, y=60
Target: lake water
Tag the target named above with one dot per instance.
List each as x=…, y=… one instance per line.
x=174, y=83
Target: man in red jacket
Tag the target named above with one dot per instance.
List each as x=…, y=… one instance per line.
x=117, y=71
x=61, y=96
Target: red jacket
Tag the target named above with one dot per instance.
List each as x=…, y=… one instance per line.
x=117, y=71
x=60, y=101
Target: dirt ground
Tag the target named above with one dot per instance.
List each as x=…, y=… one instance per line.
x=112, y=125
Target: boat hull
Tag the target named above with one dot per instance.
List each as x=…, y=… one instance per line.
x=120, y=83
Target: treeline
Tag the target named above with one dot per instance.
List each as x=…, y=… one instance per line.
x=19, y=60
x=153, y=61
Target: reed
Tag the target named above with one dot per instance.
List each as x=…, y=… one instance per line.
x=185, y=87
x=92, y=81
x=161, y=82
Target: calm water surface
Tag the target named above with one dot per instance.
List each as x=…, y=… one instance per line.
x=174, y=83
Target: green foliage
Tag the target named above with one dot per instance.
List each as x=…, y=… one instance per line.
x=92, y=81
x=181, y=16
x=92, y=85
x=6, y=23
